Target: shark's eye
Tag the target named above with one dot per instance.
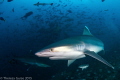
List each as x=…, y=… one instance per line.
x=51, y=49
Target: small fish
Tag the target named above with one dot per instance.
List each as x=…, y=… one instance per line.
x=69, y=11
x=27, y=15
x=84, y=66
x=2, y=19
x=9, y=0
x=103, y=0
x=38, y=3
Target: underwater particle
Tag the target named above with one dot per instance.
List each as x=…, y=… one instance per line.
x=13, y=10
x=28, y=69
x=53, y=76
x=9, y=0
x=38, y=3
x=13, y=61
x=77, y=70
x=106, y=10
x=31, y=51
x=2, y=19
x=95, y=73
x=108, y=72
x=1, y=1
x=72, y=77
x=88, y=74
x=100, y=70
x=1, y=13
x=25, y=9
x=27, y=15
x=115, y=51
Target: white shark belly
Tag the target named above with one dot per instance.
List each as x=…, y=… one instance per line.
x=63, y=55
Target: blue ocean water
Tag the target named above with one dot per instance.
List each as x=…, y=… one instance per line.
x=26, y=26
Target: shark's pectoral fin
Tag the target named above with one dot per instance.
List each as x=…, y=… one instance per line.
x=96, y=56
x=70, y=62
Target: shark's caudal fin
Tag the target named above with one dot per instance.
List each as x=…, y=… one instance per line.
x=96, y=56
x=87, y=31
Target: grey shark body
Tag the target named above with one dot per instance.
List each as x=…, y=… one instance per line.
x=32, y=60
x=74, y=48
x=38, y=3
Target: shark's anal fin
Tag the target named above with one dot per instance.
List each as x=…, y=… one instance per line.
x=70, y=62
x=96, y=56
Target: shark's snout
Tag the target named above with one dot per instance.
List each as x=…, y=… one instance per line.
x=43, y=53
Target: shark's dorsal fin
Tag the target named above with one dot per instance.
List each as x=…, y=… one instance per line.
x=87, y=31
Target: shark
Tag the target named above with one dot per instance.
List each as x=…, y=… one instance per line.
x=31, y=60
x=38, y=3
x=75, y=48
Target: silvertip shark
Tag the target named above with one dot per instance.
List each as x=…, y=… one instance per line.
x=32, y=60
x=74, y=48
